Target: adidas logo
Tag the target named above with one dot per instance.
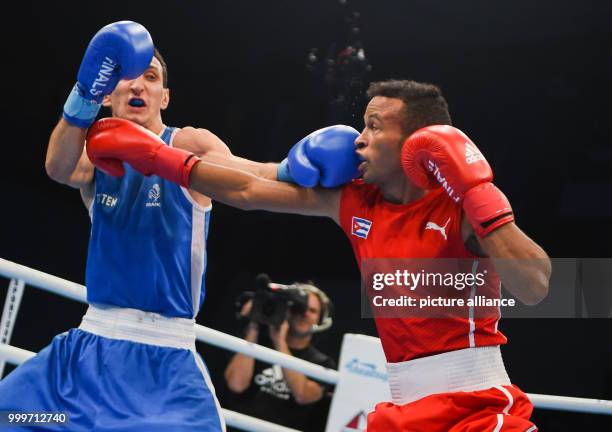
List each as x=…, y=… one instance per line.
x=472, y=154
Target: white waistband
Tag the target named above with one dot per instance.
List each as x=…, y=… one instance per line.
x=139, y=326
x=469, y=369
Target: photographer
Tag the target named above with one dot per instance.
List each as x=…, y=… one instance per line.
x=289, y=318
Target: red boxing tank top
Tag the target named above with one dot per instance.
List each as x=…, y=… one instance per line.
x=426, y=228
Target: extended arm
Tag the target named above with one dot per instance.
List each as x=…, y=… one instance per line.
x=325, y=157
x=210, y=148
x=248, y=192
x=112, y=140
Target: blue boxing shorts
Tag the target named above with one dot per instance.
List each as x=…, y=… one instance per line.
x=121, y=370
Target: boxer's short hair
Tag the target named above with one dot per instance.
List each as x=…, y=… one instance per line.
x=159, y=57
x=423, y=102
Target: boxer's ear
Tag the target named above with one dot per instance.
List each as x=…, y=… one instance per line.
x=165, y=99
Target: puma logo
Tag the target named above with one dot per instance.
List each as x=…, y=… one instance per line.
x=434, y=226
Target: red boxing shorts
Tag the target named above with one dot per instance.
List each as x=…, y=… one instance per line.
x=497, y=409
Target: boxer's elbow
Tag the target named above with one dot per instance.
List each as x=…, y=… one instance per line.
x=254, y=195
x=243, y=200
x=537, y=285
x=235, y=188
x=233, y=194
x=56, y=171
x=539, y=270
x=536, y=293
x=541, y=278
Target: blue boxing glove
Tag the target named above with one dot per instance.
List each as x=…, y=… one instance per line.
x=326, y=157
x=121, y=50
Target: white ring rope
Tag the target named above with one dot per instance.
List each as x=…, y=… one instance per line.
x=15, y=355
x=214, y=337
x=9, y=314
x=233, y=343
x=204, y=334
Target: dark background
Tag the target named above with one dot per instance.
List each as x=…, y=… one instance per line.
x=528, y=81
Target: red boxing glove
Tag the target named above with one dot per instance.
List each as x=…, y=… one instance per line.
x=487, y=208
x=111, y=141
x=444, y=156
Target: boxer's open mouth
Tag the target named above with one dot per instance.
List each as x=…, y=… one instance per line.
x=136, y=102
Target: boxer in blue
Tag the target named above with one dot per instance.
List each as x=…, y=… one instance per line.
x=132, y=364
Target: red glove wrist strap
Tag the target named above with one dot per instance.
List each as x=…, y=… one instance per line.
x=487, y=208
x=175, y=164
x=188, y=165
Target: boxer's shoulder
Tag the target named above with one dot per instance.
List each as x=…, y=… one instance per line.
x=198, y=140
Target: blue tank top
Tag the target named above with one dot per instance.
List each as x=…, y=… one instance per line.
x=147, y=248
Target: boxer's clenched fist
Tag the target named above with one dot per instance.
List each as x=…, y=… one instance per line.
x=112, y=141
x=443, y=156
x=121, y=50
x=326, y=157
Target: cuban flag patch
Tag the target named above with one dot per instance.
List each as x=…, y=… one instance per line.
x=361, y=227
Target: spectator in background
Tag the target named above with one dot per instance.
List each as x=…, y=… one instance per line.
x=274, y=393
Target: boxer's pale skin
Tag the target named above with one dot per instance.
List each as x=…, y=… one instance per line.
x=67, y=161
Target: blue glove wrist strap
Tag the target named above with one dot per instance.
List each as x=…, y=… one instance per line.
x=282, y=172
x=79, y=111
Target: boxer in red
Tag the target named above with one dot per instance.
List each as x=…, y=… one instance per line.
x=425, y=192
